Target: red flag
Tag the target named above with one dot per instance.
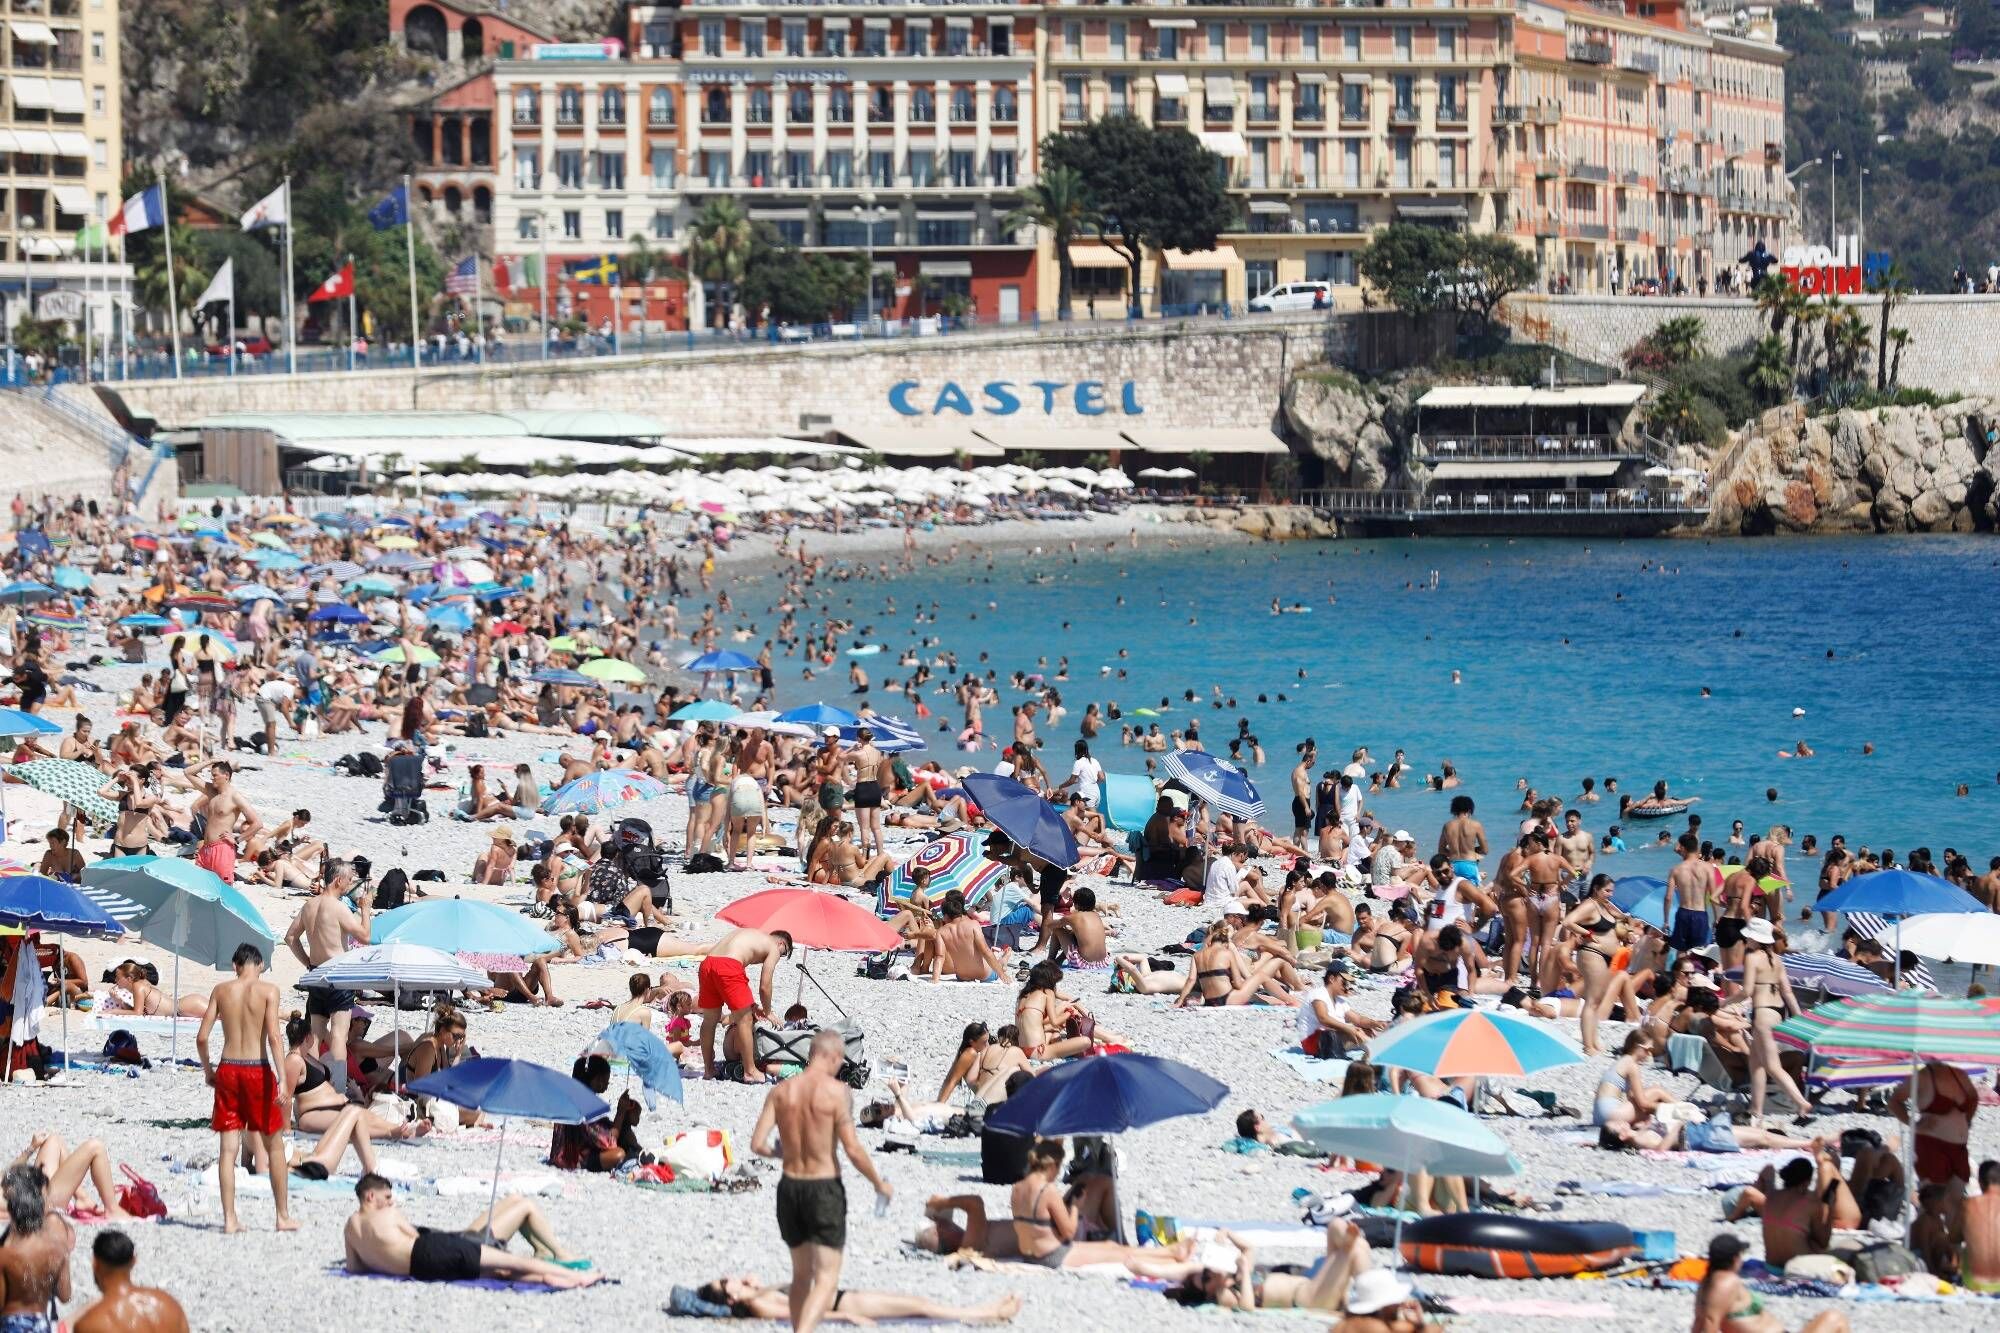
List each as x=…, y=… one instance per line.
x=339, y=285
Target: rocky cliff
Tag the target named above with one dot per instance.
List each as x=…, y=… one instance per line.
x=1891, y=469
x=1359, y=430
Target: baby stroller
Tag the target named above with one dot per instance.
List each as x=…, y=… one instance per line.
x=403, y=789
x=643, y=859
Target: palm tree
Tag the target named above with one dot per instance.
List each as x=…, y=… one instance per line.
x=1898, y=339
x=1774, y=293
x=1200, y=458
x=150, y=277
x=1847, y=345
x=1059, y=203
x=1894, y=291
x=1680, y=340
x=924, y=286
x=1802, y=311
x=1768, y=374
x=718, y=248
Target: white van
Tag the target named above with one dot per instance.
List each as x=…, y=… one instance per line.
x=1294, y=296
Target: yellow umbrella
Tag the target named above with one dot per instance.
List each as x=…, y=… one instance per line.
x=397, y=543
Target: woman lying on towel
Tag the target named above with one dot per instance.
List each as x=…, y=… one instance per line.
x=1230, y=1278
x=742, y=1296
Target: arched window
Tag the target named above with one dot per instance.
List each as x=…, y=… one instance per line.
x=660, y=110
x=424, y=32
x=611, y=107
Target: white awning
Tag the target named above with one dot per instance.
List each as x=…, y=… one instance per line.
x=1055, y=439
x=1226, y=142
x=932, y=440
x=8, y=142
x=35, y=141
x=1309, y=76
x=1220, y=89
x=1522, y=469
x=71, y=144
x=946, y=268
x=1351, y=77
x=1095, y=256
x=68, y=96
x=1220, y=257
x=1214, y=440
x=32, y=91
x=1183, y=24
x=1518, y=395
x=1269, y=206
x=73, y=199
x=26, y=30
x=1173, y=85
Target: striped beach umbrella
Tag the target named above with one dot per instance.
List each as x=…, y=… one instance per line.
x=1888, y=933
x=892, y=734
x=1900, y=1023
x=1831, y=973
x=1872, y=1072
x=954, y=862
x=1473, y=1043
x=594, y=791
x=1228, y=789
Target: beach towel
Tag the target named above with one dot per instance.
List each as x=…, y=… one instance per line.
x=1311, y=1068
x=1262, y=1235
x=1523, y=1308
x=469, y=1284
x=480, y=1187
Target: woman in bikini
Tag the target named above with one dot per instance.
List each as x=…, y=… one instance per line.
x=983, y=1064
x=1219, y=977
x=1045, y=1225
x=1723, y=1303
x=1622, y=1097
x=1245, y=1286
x=317, y=1104
x=835, y=860
x=1771, y=1003
x=139, y=812
x=133, y=992
x=1594, y=923
x=745, y=1297
x=1051, y=1025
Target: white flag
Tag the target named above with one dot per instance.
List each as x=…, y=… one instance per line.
x=222, y=287
x=273, y=210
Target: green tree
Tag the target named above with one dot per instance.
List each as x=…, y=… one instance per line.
x=1412, y=266
x=1491, y=268
x=1978, y=29
x=1059, y=204
x=332, y=225
x=258, y=275
x=1774, y=294
x=1199, y=459
x=1681, y=339
x=149, y=270
x=1155, y=189
x=1898, y=340
x=718, y=250
x=1769, y=374
x=1889, y=285
x=799, y=287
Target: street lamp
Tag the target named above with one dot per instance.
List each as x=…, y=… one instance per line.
x=1798, y=205
x=867, y=214
x=1861, y=215
x=1833, y=200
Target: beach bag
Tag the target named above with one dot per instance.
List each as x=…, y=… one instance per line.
x=475, y=726
x=704, y=1153
x=703, y=863
x=1819, y=1268
x=784, y=1046
x=1885, y=1259
x=138, y=1196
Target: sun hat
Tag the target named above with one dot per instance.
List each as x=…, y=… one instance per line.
x=505, y=833
x=1236, y=907
x=1758, y=931
x=1377, y=1289
x=1401, y=835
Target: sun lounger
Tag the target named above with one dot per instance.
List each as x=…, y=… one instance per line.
x=1688, y=1054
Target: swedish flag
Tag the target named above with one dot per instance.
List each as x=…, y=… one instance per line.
x=599, y=272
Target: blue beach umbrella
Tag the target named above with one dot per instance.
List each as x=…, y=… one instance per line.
x=24, y=592
x=512, y=1090
x=1406, y=1133
x=256, y=592
x=564, y=676
x=375, y=586
x=721, y=661
x=461, y=925
x=1107, y=1094
x=145, y=620
x=339, y=613
x=646, y=1056
x=35, y=902
x=892, y=734
x=14, y=722
x=1627, y=893
x=702, y=710
x=1227, y=789
x=1020, y=813
x=453, y=618
x=594, y=791
x=1898, y=893
x=816, y=715
x=70, y=578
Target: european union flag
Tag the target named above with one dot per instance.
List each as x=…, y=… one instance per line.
x=393, y=211
x=599, y=272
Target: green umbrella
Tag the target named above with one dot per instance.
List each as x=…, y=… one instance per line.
x=612, y=669
x=74, y=783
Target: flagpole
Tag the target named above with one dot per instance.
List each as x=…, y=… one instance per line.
x=353, y=328
x=410, y=249
x=478, y=296
x=543, y=231
x=85, y=247
x=291, y=314
x=124, y=310
x=229, y=342
x=173, y=297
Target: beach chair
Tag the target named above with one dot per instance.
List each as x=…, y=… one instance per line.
x=403, y=790
x=1689, y=1054
x=1127, y=801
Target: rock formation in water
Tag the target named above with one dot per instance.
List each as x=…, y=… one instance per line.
x=1891, y=469
x=1358, y=430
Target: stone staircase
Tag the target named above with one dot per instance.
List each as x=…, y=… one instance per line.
x=59, y=443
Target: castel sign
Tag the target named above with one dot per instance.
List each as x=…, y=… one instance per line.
x=1003, y=398
x=1818, y=271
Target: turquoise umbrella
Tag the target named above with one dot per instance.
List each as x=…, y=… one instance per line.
x=703, y=710
x=461, y=925
x=70, y=578
x=1473, y=1043
x=190, y=912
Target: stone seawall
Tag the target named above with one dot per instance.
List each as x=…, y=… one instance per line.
x=1954, y=342
x=1164, y=376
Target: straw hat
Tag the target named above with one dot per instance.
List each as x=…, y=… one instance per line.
x=505, y=833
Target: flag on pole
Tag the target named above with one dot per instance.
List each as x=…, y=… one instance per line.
x=222, y=287
x=463, y=279
x=518, y=272
x=93, y=237
x=273, y=210
x=339, y=285
x=393, y=211
x=599, y=272
x=142, y=212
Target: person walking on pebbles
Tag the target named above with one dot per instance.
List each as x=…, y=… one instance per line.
x=247, y=1088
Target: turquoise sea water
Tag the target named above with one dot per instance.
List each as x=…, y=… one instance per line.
x=1576, y=658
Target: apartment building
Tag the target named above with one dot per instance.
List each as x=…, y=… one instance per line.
x=60, y=158
x=1333, y=120
x=1644, y=146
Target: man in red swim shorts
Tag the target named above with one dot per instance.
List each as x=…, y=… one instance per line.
x=725, y=980
x=248, y=1095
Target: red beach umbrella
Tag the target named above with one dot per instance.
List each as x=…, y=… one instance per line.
x=814, y=920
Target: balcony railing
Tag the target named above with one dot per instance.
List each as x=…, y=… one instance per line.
x=1402, y=115
x=1590, y=53
x=1072, y=111
x=1639, y=61
x=571, y=118
x=1309, y=113
x=1592, y=231
x=1542, y=448
x=659, y=120
x=1263, y=111
x=527, y=117
x=1590, y=171
x=1453, y=112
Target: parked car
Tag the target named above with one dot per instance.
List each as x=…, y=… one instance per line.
x=1293, y=296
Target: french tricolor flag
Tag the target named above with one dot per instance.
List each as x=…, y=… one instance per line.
x=142, y=212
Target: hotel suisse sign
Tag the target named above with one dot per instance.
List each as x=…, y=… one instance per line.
x=1004, y=398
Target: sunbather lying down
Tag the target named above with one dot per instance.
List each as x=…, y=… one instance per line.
x=994, y=1238
x=379, y=1239
x=748, y=1298
x=1229, y=1275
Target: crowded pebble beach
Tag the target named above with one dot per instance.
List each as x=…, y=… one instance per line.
x=260, y=719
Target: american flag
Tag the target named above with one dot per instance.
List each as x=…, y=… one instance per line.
x=464, y=279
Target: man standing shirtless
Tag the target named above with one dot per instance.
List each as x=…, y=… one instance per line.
x=1576, y=847
x=1687, y=926
x=225, y=810
x=34, y=1258
x=813, y=1113
x=1463, y=839
x=248, y=1093
x=725, y=980
x=320, y=933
